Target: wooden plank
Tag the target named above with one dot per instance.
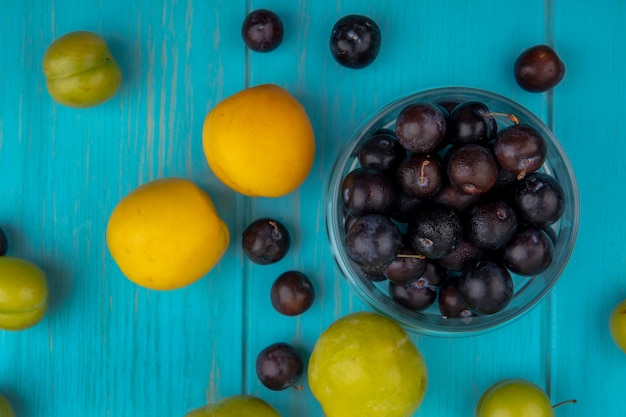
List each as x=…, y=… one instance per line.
x=108, y=347
x=588, y=107
x=424, y=46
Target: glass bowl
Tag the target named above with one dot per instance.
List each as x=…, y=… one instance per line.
x=528, y=290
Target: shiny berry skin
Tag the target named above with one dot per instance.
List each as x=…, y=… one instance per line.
x=463, y=255
x=262, y=30
x=415, y=296
x=373, y=242
x=538, y=69
x=491, y=225
x=420, y=175
x=421, y=127
x=472, y=169
x=279, y=366
x=451, y=305
x=471, y=122
x=521, y=149
x=355, y=41
x=451, y=197
x=382, y=152
x=435, y=231
x=540, y=199
x=529, y=252
x=367, y=191
x=292, y=293
x=265, y=241
x=486, y=287
x=406, y=268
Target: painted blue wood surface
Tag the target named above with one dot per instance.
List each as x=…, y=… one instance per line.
x=110, y=348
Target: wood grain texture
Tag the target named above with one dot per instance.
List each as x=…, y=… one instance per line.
x=588, y=111
x=110, y=348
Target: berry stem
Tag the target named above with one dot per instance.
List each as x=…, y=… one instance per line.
x=275, y=226
x=416, y=256
x=522, y=173
x=513, y=118
x=422, y=178
x=564, y=402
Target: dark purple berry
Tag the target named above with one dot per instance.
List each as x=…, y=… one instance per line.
x=420, y=175
x=382, y=152
x=279, y=366
x=520, y=149
x=373, y=275
x=540, y=199
x=471, y=122
x=421, y=127
x=472, y=169
x=265, y=241
x=434, y=231
x=373, y=242
x=415, y=296
x=355, y=41
x=367, y=191
x=451, y=305
x=292, y=293
x=538, y=69
x=407, y=267
x=452, y=197
x=491, y=225
x=463, y=255
x=262, y=30
x=529, y=252
x=486, y=287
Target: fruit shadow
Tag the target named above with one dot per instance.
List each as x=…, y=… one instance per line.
x=18, y=405
x=125, y=55
x=59, y=285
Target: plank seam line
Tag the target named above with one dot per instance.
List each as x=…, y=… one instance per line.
x=244, y=266
x=550, y=304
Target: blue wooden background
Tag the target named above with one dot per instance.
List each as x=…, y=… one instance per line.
x=110, y=348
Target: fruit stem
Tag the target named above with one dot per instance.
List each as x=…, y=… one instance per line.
x=416, y=256
x=522, y=173
x=507, y=116
x=564, y=402
x=422, y=179
x=296, y=387
x=275, y=226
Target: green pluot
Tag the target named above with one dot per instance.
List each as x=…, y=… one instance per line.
x=515, y=398
x=236, y=406
x=5, y=408
x=365, y=365
x=80, y=70
x=23, y=294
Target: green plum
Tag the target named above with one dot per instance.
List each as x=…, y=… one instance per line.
x=5, y=407
x=80, y=70
x=23, y=294
x=515, y=398
x=236, y=406
x=617, y=325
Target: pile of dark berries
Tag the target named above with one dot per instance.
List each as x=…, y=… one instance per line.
x=448, y=205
